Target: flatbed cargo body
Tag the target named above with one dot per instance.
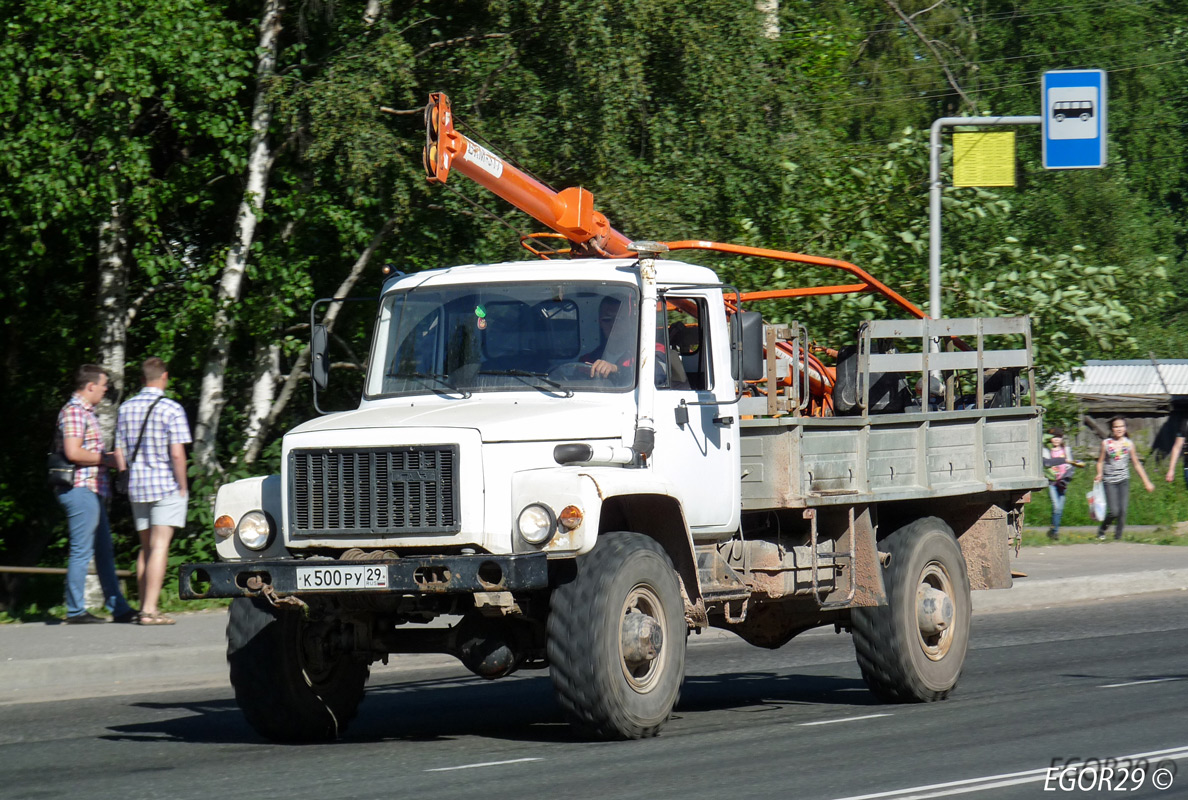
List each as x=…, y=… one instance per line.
x=800, y=462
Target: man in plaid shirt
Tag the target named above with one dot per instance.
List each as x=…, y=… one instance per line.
x=78, y=438
x=157, y=485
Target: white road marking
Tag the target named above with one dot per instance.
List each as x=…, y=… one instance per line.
x=484, y=764
x=1138, y=683
x=843, y=719
x=1005, y=779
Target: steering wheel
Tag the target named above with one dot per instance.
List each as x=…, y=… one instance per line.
x=572, y=371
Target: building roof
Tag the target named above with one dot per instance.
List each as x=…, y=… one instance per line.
x=1137, y=377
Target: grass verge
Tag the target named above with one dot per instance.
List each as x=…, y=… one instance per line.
x=1038, y=537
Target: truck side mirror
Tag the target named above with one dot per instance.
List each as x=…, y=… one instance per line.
x=749, y=347
x=319, y=362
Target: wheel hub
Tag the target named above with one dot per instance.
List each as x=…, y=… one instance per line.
x=641, y=639
x=935, y=611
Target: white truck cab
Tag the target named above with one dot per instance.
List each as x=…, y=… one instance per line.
x=482, y=400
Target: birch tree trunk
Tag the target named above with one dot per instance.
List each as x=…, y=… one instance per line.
x=255, y=441
x=770, y=9
x=113, y=309
x=372, y=14
x=266, y=377
x=212, y=400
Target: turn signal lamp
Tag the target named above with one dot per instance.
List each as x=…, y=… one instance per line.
x=224, y=527
x=570, y=518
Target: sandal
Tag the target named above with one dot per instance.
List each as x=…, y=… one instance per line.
x=156, y=619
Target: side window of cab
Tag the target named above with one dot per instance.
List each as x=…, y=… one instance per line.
x=683, y=342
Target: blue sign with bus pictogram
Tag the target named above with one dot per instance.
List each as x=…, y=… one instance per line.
x=1074, y=118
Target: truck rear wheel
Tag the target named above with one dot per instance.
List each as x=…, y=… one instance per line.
x=289, y=684
x=912, y=649
x=616, y=639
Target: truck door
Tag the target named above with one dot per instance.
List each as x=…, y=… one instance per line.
x=700, y=456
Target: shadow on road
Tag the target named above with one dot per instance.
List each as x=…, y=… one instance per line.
x=521, y=708
x=745, y=690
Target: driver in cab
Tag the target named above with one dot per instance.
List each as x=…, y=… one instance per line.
x=603, y=364
x=600, y=367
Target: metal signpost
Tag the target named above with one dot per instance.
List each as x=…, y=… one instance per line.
x=934, y=195
x=1074, y=126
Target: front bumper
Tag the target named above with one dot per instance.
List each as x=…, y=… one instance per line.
x=419, y=575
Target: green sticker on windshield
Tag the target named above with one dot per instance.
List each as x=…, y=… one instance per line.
x=480, y=312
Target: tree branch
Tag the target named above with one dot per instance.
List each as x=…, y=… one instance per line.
x=932, y=49
x=134, y=306
x=462, y=40
x=926, y=10
x=486, y=87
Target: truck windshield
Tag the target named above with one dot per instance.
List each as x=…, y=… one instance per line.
x=557, y=338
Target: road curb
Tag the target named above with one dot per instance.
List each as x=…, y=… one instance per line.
x=1062, y=591
x=80, y=677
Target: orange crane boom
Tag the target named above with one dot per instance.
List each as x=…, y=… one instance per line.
x=569, y=212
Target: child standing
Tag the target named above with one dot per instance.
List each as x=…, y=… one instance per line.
x=1113, y=469
x=1059, y=467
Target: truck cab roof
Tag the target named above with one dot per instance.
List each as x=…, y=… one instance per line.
x=609, y=269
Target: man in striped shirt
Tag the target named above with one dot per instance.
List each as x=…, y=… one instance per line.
x=151, y=438
x=79, y=439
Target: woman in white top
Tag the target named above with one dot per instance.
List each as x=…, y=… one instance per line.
x=1113, y=470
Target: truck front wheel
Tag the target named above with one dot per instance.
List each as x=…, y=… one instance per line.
x=616, y=639
x=291, y=685
x=912, y=649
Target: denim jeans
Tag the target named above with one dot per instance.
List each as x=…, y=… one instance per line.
x=90, y=535
x=1058, y=498
x=1117, y=499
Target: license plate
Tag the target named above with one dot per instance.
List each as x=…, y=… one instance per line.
x=322, y=579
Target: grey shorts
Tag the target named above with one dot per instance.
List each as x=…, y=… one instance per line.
x=169, y=510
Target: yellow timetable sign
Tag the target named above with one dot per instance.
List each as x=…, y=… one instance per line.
x=984, y=159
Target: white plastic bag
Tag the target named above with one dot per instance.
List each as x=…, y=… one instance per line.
x=1097, y=501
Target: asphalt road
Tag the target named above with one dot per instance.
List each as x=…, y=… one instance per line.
x=1104, y=680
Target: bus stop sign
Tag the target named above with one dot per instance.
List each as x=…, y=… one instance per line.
x=1073, y=104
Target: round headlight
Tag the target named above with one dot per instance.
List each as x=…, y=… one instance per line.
x=254, y=530
x=536, y=523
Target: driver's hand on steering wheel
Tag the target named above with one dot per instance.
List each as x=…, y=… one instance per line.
x=602, y=369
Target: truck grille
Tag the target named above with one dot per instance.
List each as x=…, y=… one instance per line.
x=391, y=490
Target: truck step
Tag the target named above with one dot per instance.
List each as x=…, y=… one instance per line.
x=719, y=581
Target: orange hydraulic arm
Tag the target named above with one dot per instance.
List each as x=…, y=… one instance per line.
x=869, y=282
x=570, y=212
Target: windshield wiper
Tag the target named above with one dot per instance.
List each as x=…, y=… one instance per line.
x=523, y=373
x=444, y=380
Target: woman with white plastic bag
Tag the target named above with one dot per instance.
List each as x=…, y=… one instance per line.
x=1113, y=471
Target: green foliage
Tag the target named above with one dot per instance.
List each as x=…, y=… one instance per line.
x=1035, y=537
x=1061, y=409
